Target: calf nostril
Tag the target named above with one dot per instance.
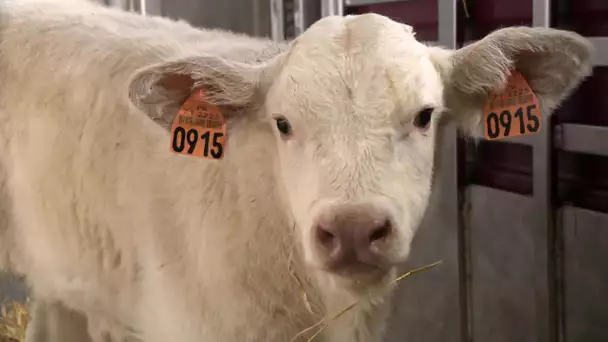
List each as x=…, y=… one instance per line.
x=326, y=238
x=380, y=232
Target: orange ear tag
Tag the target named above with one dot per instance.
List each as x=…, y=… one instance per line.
x=199, y=129
x=513, y=112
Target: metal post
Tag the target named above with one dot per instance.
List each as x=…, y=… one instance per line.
x=130, y=5
x=277, y=30
x=332, y=7
x=299, y=18
x=544, y=227
x=116, y=3
x=451, y=173
x=142, y=7
x=151, y=7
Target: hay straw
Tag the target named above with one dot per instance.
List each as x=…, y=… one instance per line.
x=466, y=9
x=299, y=283
x=324, y=323
x=14, y=319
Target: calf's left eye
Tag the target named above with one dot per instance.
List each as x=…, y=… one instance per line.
x=283, y=126
x=423, y=118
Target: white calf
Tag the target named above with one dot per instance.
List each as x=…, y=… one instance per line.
x=325, y=176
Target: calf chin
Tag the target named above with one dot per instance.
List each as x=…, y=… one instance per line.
x=361, y=302
x=356, y=278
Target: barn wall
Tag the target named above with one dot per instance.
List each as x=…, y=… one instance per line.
x=252, y=16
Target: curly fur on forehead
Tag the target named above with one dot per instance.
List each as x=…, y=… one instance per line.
x=364, y=69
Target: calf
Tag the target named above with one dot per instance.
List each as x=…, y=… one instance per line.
x=326, y=170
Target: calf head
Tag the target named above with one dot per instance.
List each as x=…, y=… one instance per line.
x=354, y=104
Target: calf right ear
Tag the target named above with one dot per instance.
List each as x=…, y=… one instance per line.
x=554, y=62
x=159, y=90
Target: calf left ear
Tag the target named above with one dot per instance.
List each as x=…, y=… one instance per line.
x=554, y=62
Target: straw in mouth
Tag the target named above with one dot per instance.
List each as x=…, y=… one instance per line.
x=324, y=323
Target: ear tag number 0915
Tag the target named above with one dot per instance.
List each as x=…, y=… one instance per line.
x=199, y=129
x=513, y=112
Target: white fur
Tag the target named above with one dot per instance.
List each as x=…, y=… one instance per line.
x=102, y=218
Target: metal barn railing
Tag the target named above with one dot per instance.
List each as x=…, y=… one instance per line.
x=144, y=7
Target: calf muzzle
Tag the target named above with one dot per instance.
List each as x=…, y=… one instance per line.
x=354, y=238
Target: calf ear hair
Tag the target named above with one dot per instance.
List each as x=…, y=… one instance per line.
x=554, y=62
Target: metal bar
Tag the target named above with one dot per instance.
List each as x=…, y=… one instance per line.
x=332, y=7
x=527, y=140
x=131, y=6
x=142, y=7
x=122, y=4
x=152, y=7
x=544, y=227
x=260, y=20
x=600, y=57
x=541, y=13
x=299, y=17
x=452, y=178
x=583, y=139
x=369, y=2
x=277, y=29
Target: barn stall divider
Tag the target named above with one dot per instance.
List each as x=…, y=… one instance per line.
x=521, y=224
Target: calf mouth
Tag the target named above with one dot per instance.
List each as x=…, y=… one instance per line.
x=360, y=272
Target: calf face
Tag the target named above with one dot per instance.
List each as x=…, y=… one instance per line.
x=354, y=104
x=361, y=99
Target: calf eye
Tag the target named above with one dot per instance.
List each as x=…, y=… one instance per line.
x=283, y=126
x=423, y=118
